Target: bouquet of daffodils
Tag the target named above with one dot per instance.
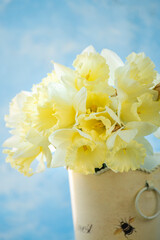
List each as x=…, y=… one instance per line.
x=94, y=115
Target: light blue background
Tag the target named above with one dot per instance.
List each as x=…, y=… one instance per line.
x=32, y=33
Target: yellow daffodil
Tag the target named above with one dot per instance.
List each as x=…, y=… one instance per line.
x=93, y=71
x=92, y=67
x=82, y=154
x=51, y=77
x=16, y=115
x=141, y=68
x=135, y=78
x=125, y=156
x=25, y=150
x=126, y=135
x=96, y=102
x=145, y=109
x=99, y=125
x=143, y=128
x=53, y=107
x=98, y=112
x=114, y=62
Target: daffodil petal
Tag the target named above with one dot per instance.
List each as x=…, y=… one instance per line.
x=144, y=128
x=65, y=135
x=142, y=68
x=127, y=157
x=113, y=61
x=79, y=100
x=146, y=144
x=65, y=74
x=89, y=49
x=12, y=141
x=113, y=115
x=111, y=140
x=151, y=162
x=58, y=159
x=16, y=114
x=128, y=135
x=26, y=150
x=36, y=138
x=85, y=159
x=60, y=136
x=48, y=155
x=157, y=133
x=60, y=93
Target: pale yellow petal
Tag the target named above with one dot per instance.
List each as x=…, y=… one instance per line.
x=141, y=68
x=79, y=101
x=125, y=135
x=147, y=109
x=96, y=125
x=113, y=61
x=84, y=156
x=146, y=144
x=126, y=156
x=89, y=49
x=144, y=128
x=151, y=162
x=97, y=102
x=58, y=159
x=91, y=66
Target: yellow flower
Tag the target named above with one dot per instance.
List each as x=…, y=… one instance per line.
x=96, y=101
x=145, y=110
x=99, y=125
x=135, y=78
x=93, y=72
x=129, y=89
x=125, y=156
x=51, y=77
x=114, y=62
x=25, y=150
x=126, y=135
x=141, y=68
x=85, y=118
x=52, y=107
x=16, y=115
x=77, y=151
x=91, y=67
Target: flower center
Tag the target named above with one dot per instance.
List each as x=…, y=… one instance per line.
x=93, y=108
x=85, y=148
x=88, y=75
x=99, y=124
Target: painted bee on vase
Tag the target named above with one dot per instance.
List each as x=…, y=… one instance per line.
x=125, y=227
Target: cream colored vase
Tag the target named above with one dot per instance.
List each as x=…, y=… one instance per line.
x=116, y=206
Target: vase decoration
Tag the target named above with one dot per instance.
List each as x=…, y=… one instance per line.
x=93, y=120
